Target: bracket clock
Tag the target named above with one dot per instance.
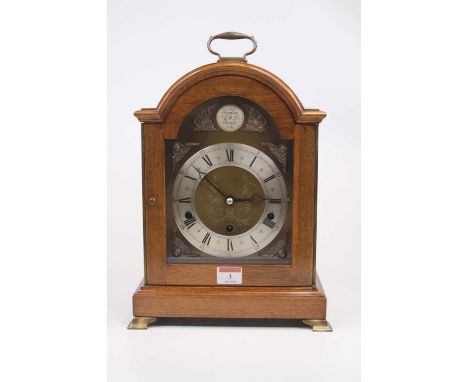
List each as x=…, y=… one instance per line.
x=229, y=198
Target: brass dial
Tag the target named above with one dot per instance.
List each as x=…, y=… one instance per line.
x=229, y=200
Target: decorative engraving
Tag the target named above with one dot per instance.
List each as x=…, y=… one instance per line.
x=255, y=121
x=179, y=150
x=280, y=152
x=230, y=118
x=182, y=249
x=277, y=250
x=204, y=121
x=242, y=214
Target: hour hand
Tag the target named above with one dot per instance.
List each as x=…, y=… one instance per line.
x=254, y=199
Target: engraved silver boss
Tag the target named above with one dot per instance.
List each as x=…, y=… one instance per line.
x=230, y=117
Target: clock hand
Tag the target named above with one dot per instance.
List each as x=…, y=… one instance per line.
x=254, y=199
x=214, y=186
x=200, y=173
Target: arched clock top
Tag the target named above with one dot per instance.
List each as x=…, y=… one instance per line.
x=235, y=74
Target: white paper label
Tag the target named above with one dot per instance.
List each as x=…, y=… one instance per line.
x=229, y=275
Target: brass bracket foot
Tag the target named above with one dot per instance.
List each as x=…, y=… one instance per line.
x=141, y=322
x=318, y=325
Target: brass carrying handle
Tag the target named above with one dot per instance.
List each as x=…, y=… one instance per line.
x=232, y=36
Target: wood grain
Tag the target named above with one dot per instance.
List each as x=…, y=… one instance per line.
x=239, y=69
x=230, y=302
x=304, y=197
x=215, y=87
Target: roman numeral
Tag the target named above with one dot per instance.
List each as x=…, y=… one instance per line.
x=229, y=245
x=185, y=200
x=275, y=201
x=189, y=223
x=206, y=239
x=253, y=239
x=191, y=178
x=269, y=223
x=253, y=160
x=230, y=155
x=207, y=159
x=269, y=178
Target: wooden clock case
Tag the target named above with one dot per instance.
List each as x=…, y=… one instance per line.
x=268, y=291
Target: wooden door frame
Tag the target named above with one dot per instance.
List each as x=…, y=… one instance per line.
x=293, y=122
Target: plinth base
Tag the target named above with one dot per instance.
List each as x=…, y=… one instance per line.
x=303, y=303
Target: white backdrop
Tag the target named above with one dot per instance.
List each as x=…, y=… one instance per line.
x=314, y=47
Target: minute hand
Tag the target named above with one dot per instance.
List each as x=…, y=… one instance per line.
x=214, y=186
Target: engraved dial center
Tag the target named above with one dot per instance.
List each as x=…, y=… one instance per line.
x=223, y=199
